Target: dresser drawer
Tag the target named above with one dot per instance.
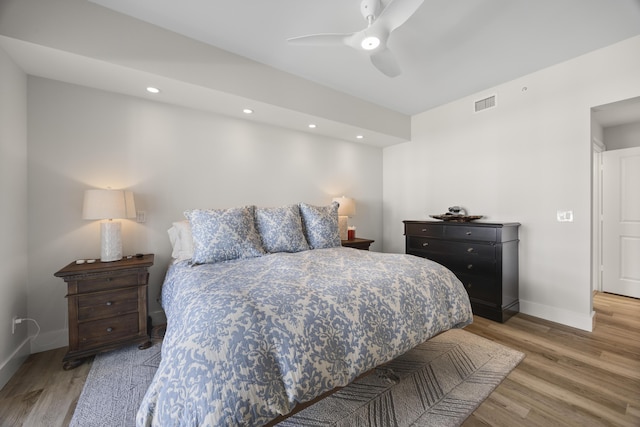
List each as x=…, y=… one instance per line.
x=424, y=244
x=103, y=331
x=478, y=266
x=427, y=230
x=107, y=304
x=465, y=250
x=109, y=282
x=487, y=234
x=480, y=288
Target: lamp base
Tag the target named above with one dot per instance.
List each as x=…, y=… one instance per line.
x=342, y=227
x=111, y=241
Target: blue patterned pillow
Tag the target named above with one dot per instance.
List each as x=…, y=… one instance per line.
x=321, y=225
x=223, y=234
x=281, y=229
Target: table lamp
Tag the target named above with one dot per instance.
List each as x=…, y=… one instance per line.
x=107, y=205
x=346, y=209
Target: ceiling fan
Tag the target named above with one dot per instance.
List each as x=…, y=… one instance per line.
x=373, y=39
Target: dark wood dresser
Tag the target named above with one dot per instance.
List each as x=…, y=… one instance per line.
x=484, y=256
x=107, y=304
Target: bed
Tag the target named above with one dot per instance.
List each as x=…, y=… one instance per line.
x=254, y=330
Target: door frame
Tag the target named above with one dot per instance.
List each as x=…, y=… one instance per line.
x=598, y=148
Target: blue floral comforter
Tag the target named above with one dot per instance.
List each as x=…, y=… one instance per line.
x=249, y=339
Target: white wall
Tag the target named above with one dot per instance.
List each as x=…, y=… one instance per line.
x=521, y=161
x=622, y=136
x=173, y=159
x=13, y=215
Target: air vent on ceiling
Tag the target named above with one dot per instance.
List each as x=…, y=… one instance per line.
x=485, y=103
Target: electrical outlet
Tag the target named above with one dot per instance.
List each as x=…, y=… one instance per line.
x=141, y=216
x=14, y=322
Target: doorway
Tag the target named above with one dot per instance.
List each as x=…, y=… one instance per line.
x=615, y=127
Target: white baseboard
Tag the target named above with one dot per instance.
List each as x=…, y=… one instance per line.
x=50, y=340
x=557, y=315
x=10, y=366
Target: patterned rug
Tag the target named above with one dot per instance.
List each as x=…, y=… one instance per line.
x=439, y=383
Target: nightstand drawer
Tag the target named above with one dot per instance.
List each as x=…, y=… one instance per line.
x=107, y=304
x=107, y=282
x=103, y=331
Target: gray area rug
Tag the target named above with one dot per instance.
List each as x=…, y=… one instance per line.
x=439, y=383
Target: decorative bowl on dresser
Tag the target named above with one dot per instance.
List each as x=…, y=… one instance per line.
x=484, y=256
x=107, y=304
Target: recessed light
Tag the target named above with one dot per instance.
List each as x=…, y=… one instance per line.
x=152, y=89
x=312, y=126
x=359, y=137
x=247, y=111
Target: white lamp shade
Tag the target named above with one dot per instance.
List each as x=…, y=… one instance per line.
x=108, y=204
x=130, y=204
x=347, y=206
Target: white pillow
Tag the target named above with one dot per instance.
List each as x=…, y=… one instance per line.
x=181, y=240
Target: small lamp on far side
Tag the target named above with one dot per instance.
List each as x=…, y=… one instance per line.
x=347, y=208
x=108, y=205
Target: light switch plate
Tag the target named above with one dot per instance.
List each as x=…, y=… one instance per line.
x=141, y=216
x=565, y=216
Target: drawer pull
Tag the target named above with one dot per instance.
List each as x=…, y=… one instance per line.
x=424, y=230
x=470, y=250
x=425, y=244
x=109, y=303
x=469, y=267
x=468, y=233
x=109, y=329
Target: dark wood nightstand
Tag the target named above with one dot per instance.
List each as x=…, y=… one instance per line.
x=107, y=306
x=358, y=243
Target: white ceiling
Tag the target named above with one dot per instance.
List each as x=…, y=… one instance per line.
x=225, y=55
x=447, y=50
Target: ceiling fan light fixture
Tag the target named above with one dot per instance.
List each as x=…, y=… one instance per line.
x=370, y=43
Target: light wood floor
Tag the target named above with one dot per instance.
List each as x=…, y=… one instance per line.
x=569, y=377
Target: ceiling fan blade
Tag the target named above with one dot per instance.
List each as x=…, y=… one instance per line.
x=320, y=39
x=384, y=61
x=397, y=13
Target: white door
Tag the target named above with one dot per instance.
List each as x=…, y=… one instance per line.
x=621, y=221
